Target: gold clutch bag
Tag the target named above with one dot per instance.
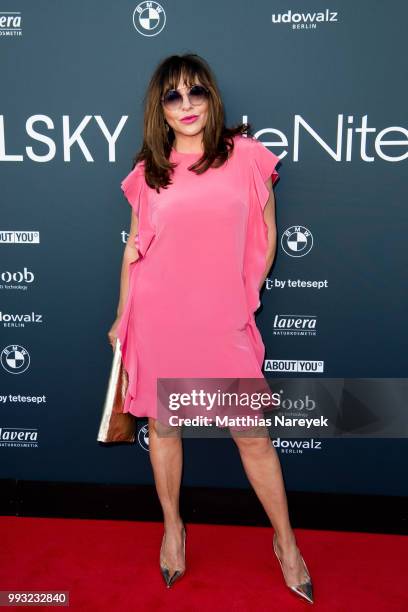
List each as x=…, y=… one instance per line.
x=116, y=425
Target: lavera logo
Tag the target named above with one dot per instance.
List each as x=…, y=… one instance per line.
x=305, y=21
x=19, y=436
x=294, y=325
x=10, y=23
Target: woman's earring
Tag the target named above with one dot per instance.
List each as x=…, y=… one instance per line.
x=167, y=126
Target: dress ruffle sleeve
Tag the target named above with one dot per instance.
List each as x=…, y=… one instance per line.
x=135, y=189
x=262, y=165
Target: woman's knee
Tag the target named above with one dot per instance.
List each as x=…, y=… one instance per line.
x=254, y=439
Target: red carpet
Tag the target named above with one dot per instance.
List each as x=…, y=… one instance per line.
x=113, y=565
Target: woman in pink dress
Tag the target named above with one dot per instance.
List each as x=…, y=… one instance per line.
x=201, y=242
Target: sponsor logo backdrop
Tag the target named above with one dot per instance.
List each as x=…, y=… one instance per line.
x=323, y=88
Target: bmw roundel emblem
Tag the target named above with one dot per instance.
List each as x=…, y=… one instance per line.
x=149, y=18
x=143, y=437
x=15, y=359
x=297, y=241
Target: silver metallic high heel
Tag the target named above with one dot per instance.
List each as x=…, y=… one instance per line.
x=164, y=568
x=304, y=589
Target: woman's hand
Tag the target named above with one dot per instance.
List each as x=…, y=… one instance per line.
x=112, y=335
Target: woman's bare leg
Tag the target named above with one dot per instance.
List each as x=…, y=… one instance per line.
x=263, y=469
x=167, y=459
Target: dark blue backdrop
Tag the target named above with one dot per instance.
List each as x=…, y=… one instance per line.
x=327, y=95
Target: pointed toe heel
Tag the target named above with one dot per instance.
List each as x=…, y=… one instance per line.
x=304, y=589
x=169, y=578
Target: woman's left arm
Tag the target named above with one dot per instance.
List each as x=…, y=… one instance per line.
x=269, y=217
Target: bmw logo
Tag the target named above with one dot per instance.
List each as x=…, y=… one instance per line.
x=297, y=241
x=149, y=18
x=15, y=359
x=143, y=437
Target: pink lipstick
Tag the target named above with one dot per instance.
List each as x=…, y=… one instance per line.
x=190, y=119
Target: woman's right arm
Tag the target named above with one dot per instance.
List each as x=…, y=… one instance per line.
x=130, y=254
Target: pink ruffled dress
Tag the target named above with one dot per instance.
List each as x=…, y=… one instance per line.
x=193, y=291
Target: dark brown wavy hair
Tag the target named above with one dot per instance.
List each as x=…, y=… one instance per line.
x=157, y=140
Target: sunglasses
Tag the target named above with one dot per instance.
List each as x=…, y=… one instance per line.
x=173, y=99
